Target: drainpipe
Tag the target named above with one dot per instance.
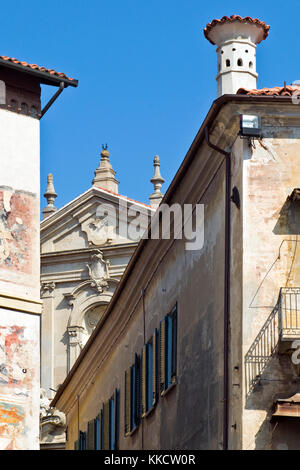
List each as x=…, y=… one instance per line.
x=226, y=287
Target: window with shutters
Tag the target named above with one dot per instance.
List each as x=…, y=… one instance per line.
x=102, y=432
x=110, y=422
x=168, y=351
x=82, y=440
x=149, y=375
x=133, y=396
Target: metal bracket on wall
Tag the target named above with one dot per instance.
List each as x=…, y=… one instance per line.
x=54, y=98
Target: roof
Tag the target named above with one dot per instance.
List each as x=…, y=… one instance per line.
x=124, y=197
x=286, y=90
x=233, y=18
x=46, y=76
x=79, y=200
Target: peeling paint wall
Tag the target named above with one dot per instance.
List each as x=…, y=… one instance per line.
x=20, y=303
x=271, y=228
x=19, y=381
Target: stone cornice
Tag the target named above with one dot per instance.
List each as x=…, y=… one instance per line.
x=82, y=253
x=20, y=304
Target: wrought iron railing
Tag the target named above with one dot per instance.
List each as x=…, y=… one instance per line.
x=283, y=324
x=289, y=313
x=262, y=349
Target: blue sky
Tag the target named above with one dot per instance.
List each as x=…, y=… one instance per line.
x=146, y=79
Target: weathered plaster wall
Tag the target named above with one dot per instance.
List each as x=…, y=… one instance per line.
x=19, y=204
x=271, y=261
x=20, y=304
x=19, y=380
x=71, y=276
x=190, y=415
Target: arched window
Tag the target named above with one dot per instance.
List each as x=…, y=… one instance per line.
x=240, y=62
x=33, y=112
x=227, y=63
x=250, y=65
x=13, y=105
x=24, y=108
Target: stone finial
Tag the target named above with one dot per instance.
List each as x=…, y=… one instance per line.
x=157, y=181
x=105, y=175
x=50, y=195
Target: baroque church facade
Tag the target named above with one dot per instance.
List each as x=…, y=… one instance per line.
x=85, y=248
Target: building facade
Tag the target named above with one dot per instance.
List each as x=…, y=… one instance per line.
x=85, y=248
x=20, y=304
x=198, y=346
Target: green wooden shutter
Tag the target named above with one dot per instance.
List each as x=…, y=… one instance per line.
x=144, y=381
x=106, y=425
x=76, y=445
x=127, y=417
x=162, y=355
x=154, y=368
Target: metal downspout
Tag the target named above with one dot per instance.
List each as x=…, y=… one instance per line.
x=226, y=286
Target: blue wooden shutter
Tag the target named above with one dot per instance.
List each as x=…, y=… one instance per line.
x=174, y=346
x=112, y=424
x=138, y=389
x=144, y=381
x=91, y=435
x=162, y=355
x=127, y=415
x=154, y=368
x=106, y=426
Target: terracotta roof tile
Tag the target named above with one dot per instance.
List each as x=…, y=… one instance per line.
x=231, y=19
x=36, y=67
x=287, y=90
x=120, y=195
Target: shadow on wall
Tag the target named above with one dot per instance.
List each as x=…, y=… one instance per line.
x=288, y=222
x=279, y=380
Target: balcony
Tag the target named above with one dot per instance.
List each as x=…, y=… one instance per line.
x=276, y=336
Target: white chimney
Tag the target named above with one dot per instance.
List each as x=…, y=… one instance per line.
x=236, y=38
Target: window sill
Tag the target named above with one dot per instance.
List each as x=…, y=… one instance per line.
x=144, y=415
x=164, y=392
x=130, y=433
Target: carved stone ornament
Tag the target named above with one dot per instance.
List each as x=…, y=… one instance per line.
x=98, y=271
x=52, y=422
x=47, y=288
x=100, y=230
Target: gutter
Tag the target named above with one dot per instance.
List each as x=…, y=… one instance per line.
x=227, y=156
x=210, y=117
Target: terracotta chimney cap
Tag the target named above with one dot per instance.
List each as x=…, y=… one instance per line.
x=233, y=27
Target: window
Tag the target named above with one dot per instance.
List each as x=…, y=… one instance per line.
x=110, y=423
x=227, y=63
x=2, y=92
x=102, y=432
x=240, y=62
x=149, y=374
x=13, y=105
x=82, y=440
x=168, y=351
x=33, y=112
x=132, y=396
x=24, y=108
